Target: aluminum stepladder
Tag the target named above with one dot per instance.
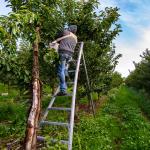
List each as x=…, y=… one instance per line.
x=69, y=125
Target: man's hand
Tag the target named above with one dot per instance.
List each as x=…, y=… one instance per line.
x=54, y=41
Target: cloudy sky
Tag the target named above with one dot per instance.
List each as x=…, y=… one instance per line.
x=135, y=38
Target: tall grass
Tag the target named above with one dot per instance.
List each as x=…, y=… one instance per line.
x=143, y=100
x=118, y=125
x=12, y=115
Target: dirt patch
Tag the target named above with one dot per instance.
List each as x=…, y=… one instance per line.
x=97, y=105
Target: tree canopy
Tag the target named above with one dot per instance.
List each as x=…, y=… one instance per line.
x=140, y=77
x=97, y=29
x=37, y=22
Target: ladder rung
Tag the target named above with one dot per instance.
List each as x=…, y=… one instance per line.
x=71, y=71
x=73, y=60
x=70, y=82
x=65, y=95
x=59, y=108
x=42, y=139
x=54, y=123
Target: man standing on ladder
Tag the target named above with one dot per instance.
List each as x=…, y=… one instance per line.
x=65, y=51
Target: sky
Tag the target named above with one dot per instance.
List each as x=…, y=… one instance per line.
x=135, y=22
x=135, y=38
x=3, y=9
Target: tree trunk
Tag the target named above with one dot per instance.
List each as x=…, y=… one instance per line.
x=32, y=123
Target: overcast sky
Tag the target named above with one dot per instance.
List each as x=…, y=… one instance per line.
x=135, y=38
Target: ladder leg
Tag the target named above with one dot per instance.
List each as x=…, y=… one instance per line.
x=74, y=98
x=50, y=104
x=88, y=86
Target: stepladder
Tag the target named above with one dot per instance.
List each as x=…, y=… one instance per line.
x=64, y=111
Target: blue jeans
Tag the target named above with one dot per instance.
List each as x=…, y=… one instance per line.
x=63, y=70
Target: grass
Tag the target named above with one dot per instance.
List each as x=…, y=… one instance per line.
x=12, y=115
x=118, y=125
x=143, y=101
x=11, y=93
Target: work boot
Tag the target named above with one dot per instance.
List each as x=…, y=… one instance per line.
x=62, y=93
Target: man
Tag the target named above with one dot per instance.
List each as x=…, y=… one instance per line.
x=66, y=50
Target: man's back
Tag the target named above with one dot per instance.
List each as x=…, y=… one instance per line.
x=68, y=44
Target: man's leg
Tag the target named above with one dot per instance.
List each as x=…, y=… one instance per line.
x=61, y=74
x=67, y=65
x=68, y=59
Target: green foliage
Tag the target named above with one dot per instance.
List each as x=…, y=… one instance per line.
x=117, y=80
x=21, y=23
x=14, y=69
x=96, y=133
x=97, y=30
x=118, y=125
x=140, y=77
x=48, y=62
x=143, y=101
x=13, y=114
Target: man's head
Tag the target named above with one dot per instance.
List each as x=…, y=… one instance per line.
x=72, y=28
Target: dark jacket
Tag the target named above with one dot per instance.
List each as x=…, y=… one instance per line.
x=68, y=44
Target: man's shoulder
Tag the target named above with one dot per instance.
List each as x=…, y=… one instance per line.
x=66, y=32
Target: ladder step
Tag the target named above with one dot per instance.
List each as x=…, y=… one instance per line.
x=69, y=71
x=72, y=60
x=68, y=95
x=42, y=139
x=59, y=108
x=54, y=123
x=70, y=82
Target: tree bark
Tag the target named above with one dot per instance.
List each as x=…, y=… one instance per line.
x=34, y=114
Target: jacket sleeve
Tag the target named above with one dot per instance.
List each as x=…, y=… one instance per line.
x=63, y=33
x=59, y=34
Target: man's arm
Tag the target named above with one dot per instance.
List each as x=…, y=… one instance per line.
x=64, y=33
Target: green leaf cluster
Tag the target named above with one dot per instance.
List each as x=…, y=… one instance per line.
x=97, y=29
x=119, y=124
x=140, y=77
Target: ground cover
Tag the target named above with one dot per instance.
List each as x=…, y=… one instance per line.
x=120, y=122
x=12, y=115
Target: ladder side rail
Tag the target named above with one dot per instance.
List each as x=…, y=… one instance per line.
x=74, y=98
x=50, y=104
x=88, y=85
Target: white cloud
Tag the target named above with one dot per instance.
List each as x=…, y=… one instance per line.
x=135, y=38
x=132, y=51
